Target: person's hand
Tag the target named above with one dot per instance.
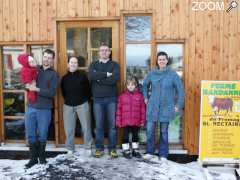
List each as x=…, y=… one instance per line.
x=27, y=86
x=109, y=74
x=176, y=109
x=141, y=125
x=33, y=88
x=146, y=101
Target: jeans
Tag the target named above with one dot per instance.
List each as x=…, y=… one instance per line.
x=69, y=117
x=130, y=129
x=105, y=107
x=37, y=122
x=163, y=145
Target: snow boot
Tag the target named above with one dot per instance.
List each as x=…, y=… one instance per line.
x=126, y=151
x=33, y=152
x=42, y=153
x=135, y=152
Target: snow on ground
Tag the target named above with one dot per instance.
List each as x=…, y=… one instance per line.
x=81, y=165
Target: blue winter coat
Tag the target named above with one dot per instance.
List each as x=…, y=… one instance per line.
x=164, y=91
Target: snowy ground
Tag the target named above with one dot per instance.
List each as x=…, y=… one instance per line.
x=83, y=166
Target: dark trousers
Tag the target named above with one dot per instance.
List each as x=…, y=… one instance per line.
x=130, y=129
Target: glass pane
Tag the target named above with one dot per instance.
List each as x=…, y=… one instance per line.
x=101, y=35
x=138, y=28
x=13, y=104
x=11, y=67
x=138, y=60
x=175, y=53
x=37, y=52
x=14, y=129
x=77, y=44
x=94, y=55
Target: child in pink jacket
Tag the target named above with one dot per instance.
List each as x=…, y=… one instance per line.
x=130, y=115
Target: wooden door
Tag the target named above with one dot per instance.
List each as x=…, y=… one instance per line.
x=82, y=39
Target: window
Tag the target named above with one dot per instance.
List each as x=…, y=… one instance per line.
x=14, y=96
x=138, y=45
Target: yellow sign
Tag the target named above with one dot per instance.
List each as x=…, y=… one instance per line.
x=220, y=120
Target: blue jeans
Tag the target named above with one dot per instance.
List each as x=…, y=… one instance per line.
x=163, y=145
x=101, y=107
x=36, y=123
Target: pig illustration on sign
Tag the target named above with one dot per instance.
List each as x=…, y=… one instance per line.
x=220, y=104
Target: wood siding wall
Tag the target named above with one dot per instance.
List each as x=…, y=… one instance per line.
x=212, y=38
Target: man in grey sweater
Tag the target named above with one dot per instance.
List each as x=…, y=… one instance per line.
x=39, y=114
x=104, y=75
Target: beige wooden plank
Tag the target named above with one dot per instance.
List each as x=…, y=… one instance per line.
x=215, y=39
x=95, y=8
x=126, y=4
x=43, y=20
x=225, y=57
x=103, y=7
x=22, y=20
x=199, y=70
x=119, y=6
x=51, y=15
x=13, y=20
x=111, y=8
x=189, y=119
x=232, y=43
x=86, y=8
x=36, y=20
x=182, y=19
x=159, y=19
x=166, y=12
x=207, y=42
x=1, y=20
x=71, y=8
x=29, y=21
x=6, y=20
x=79, y=8
x=65, y=9
x=59, y=8
x=174, y=19
x=149, y=4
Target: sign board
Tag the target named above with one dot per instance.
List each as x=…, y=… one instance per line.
x=220, y=122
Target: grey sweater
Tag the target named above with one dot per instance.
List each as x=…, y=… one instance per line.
x=103, y=86
x=47, y=81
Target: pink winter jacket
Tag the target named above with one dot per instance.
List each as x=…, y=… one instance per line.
x=131, y=109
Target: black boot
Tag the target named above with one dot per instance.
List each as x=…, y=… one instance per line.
x=135, y=152
x=33, y=152
x=42, y=153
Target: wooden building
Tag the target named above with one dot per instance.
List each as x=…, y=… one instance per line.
x=200, y=36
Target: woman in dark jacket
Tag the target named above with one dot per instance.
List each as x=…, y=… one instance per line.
x=166, y=99
x=76, y=93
